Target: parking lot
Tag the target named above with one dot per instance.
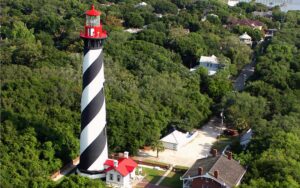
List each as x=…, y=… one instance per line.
x=199, y=147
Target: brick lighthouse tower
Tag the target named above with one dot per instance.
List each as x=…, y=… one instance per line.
x=93, y=141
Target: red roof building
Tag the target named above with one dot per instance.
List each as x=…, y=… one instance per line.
x=120, y=173
x=124, y=166
x=247, y=22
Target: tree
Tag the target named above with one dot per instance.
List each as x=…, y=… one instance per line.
x=239, y=53
x=242, y=109
x=77, y=181
x=164, y=7
x=190, y=47
x=158, y=146
x=152, y=36
x=134, y=20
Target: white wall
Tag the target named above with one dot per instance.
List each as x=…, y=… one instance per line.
x=171, y=146
x=124, y=181
x=114, y=180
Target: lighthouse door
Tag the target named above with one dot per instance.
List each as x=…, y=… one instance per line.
x=91, y=32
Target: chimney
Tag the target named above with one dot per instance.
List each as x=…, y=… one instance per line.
x=216, y=174
x=126, y=154
x=200, y=171
x=116, y=163
x=229, y=155
x=214, y=152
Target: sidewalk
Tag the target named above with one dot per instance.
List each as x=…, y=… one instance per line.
x=164, y=176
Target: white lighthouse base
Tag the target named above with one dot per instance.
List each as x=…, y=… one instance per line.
x=92, y=176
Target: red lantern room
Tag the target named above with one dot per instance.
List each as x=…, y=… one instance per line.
x=93, y=27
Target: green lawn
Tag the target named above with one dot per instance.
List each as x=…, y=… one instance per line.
x=155, y=162
x=172, y=180
x=152, y=175
x=222, y=142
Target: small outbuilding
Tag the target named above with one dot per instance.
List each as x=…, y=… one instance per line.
x=176, y=139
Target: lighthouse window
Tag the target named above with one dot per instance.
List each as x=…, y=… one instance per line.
x=92, y=20
x=118, y=178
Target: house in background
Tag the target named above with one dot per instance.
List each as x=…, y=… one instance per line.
x=245, y=38
x=121, y=172
x=267, y=14
x=211, y=63
x=216, y=171
x=232, y=3
x=176, y=139
x=255, y=24
x=269, y=33
x=141, y=4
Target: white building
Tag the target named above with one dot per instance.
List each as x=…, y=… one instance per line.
x=176, y=139
x=211, y=63
x=245, y=38
x=133, y=30
x=141, y=4
x=232, y=3
x=120, y=173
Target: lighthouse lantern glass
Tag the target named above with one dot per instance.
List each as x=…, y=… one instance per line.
x=92, y=21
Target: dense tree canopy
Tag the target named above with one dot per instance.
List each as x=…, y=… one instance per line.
x=148, y=84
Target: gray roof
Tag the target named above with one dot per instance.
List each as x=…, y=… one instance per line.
x=230, y=171
x=247, y=136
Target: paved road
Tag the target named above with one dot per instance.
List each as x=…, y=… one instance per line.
x=246, y=72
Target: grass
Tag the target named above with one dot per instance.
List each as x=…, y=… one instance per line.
x=172, y=180
x=155, y=162
x=183, y=168
x=152, y=175
x=222, y=142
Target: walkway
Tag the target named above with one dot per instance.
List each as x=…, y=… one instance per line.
x=246, y=72
x=164, y=176
x=65, y=170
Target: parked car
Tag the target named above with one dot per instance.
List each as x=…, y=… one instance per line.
x=230, y=132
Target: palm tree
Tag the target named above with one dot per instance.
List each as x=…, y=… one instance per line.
x=158, y=146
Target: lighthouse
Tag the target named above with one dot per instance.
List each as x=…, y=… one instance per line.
x=93, y=138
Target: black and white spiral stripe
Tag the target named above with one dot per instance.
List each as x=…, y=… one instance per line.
x=93, y=141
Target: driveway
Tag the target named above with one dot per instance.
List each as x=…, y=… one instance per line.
x=246, y=72
x=199, y=147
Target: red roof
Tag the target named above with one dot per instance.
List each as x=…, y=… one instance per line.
x=93, y=12
x=125, y=166
x=247, y=22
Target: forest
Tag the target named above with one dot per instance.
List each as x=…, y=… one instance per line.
x=149, y=88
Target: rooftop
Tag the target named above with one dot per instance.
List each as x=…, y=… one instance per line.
x=262, y=14
x=248, y=22
x=230, y=171
x=246, y=136
x=209, y=59
x=175, y=137
x=245, y=36
x=125, y=165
